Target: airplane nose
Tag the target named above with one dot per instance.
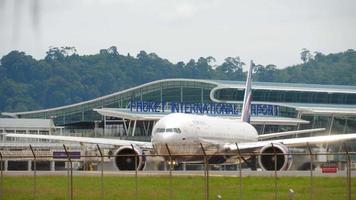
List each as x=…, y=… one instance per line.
x=164, y=138
x=160, y=140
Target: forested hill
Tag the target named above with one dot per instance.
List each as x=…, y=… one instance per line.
x=64, y=77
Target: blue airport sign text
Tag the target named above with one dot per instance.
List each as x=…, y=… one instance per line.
x=200, y=108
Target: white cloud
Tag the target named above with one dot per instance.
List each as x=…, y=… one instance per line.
x=185, y=10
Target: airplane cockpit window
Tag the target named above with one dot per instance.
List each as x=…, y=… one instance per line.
x=169, y=130
x=160, y=130
x=175, y=130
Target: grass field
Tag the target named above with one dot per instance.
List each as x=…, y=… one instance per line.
x=183, y=187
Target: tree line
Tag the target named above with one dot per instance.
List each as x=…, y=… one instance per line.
x=64, y=77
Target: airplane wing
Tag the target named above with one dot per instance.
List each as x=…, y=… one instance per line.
x=286, y=133
x=294, y=142
x=118, y=142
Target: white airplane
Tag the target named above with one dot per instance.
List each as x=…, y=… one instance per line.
x=185, y=133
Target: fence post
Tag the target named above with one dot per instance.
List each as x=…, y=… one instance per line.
x=102, y=173
x=136, y=178
x=275, y=172
x=348, y=172
x=2, y=175
x=170, y=172
x=240, y=173
x=34, y=172
x=70, y=194
x=206, y=172
x=311, y=170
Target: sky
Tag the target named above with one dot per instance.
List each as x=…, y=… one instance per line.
x=267, y=31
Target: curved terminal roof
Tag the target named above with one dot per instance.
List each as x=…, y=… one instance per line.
x=289, y=87
x=103, y=98
x=212, y=85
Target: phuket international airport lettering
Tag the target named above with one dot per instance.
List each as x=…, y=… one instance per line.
x=200, y=108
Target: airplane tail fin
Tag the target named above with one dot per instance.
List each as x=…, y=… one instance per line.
x=246, y=106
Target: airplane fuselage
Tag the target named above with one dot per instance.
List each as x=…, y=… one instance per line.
x=183, y=134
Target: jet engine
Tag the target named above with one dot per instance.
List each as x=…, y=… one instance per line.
x=274, y=156
x=126, y=156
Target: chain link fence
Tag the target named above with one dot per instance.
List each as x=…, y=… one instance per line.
x=206, y=172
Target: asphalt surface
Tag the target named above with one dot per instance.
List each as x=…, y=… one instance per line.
x=244, y=173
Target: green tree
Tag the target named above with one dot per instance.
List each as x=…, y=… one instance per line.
x=64, y=77
x=305, y=55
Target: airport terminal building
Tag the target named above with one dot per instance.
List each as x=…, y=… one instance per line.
x=132, y=113
x=276, y=107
